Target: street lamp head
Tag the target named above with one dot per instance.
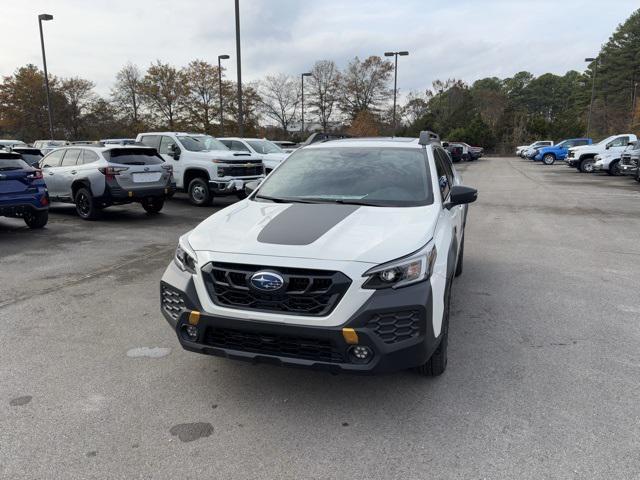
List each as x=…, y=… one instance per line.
x=307, y=74
x=389, y=54
x=223, y=57
x=45, y=17
x=403, y=54
x=589, y=59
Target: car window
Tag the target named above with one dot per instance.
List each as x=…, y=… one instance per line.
x=11, y=163
x=387, y=177
x=578, y=143
x=53, y=159
x=133, y=156
x=89, y=156
x=71, y=157
x=201, y=143
x=164, y=145
x=226, y=143
x=619, y=142
x=239, y=146
x=264, y=146
x=444, y=179
x=151, y=140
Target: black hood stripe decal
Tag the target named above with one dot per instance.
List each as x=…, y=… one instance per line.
x=304, y=223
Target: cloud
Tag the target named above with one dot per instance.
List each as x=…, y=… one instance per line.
x=460, y=38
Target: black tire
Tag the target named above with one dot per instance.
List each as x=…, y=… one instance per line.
x=460, y=262
x=85, y=204
x=199, y=193
x=614, y=168
x=549, y=159
x=437, y=364
x=153, y=205
x=586, y=165
x=36, y=219
x=241, y=194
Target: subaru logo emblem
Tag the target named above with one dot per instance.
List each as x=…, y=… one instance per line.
x=267, y=281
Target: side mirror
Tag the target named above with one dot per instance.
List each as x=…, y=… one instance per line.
x=174, y=151
x=608, y=147
x=251, y=187
x=461, y=195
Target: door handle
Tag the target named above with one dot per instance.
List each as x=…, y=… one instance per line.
x=73, y=172
x=50, y=173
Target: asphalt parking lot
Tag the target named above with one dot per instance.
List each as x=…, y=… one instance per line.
x=544, y=364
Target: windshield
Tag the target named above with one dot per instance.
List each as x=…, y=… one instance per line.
x=133, y=156
x=201, y=143
x=387, y=177
x=264, y=146
x=636, y=146
x=562, y=143
x=12, y=164
x=606, y=140
x=31, y=158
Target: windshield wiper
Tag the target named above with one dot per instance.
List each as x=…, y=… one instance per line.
x=347, y=202
x=284, y=199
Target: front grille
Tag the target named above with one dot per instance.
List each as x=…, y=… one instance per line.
x=395, y=326
x=240, y=171
x=571, y=154
x=627, y=160
x=305, y=292
x=271, y=344
x=172, y=301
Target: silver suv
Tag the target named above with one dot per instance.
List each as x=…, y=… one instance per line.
x=96, y=177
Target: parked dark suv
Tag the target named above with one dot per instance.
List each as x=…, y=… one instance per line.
x=23, y=193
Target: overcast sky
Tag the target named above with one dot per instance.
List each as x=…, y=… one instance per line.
x=455, y=38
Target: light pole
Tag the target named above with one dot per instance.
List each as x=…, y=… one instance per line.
x=45, y=17
x=395, y=81
x=221, y=57
x=238, y=58
x=593, y=90
x=306, y=74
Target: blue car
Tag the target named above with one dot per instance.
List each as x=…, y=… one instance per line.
x=559, y=151
x=23, y=193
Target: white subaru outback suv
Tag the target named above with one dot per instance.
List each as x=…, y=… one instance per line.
x=342, y=259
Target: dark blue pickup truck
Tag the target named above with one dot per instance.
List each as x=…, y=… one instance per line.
x=23, y=193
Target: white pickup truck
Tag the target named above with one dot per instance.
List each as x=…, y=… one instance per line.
x=584, y=158
x=204, y=167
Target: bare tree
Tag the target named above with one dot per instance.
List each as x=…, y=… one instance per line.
x=79, y=96
x=414, y=108
x=365, y=85
x=126, y=92
x=279, y=98
x=324, y=85
x=202, y=94
x=164, y=89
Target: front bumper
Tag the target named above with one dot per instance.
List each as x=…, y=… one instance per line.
x=628, y=169
x=395, y=324
x=227, y=187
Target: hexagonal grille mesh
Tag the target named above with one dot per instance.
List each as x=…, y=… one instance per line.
x=394, y=327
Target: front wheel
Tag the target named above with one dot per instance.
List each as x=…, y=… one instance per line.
x=199, y=193
x=614, y=168
x=36, y=219
x=437, y=364
x=586, y=166
x=549, y=159
x=153, y=205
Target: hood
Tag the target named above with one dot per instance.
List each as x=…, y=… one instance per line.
x=221, y=155
x=318, y=231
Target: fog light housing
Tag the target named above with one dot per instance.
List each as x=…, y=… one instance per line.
x=190, y=332
x=360, y=354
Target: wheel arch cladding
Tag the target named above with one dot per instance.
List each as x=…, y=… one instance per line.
x=191, y=173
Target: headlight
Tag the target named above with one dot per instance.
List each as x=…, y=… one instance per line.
x=403, y=272
x=185, y=258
